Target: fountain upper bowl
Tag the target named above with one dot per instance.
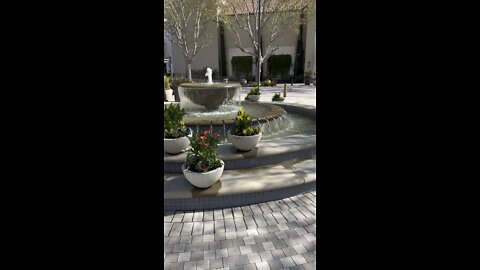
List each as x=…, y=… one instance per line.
x=206, y=96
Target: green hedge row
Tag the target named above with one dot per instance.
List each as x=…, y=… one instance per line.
x=242, y=66
x=279, y=65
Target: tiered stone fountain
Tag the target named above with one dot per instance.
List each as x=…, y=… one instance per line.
x=250, y=177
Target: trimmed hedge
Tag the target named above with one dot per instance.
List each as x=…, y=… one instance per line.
x=279, y=65
x=242, y=66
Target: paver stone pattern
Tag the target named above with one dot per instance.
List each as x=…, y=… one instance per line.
x=273, y=235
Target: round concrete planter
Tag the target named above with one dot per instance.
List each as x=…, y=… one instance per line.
x=244, y=143
x=254, y=98
x=203, y=180
x=169, y=95
x=177, y=146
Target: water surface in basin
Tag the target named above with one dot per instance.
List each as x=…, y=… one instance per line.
x=228, y=112
x=288, y=124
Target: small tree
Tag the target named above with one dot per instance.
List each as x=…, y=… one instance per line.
x=265, y=22
x=186, y=21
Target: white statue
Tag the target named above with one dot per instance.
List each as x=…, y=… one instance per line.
x=209, y=75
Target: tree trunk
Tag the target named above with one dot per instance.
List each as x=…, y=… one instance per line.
x=259, y=71
x=189, y=71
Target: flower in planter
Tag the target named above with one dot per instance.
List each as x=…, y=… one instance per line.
x=243, y=125
x=173, y=127
x=202, y=157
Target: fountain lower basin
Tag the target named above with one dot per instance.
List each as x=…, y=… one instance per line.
x=259, y=112
x=299, y=144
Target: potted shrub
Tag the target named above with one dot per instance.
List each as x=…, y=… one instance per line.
x=277, y=97
x=253, y=95
x=175, y=133
x=166, y=87
x=308, y=77
x=244, y=135
x=203, y=168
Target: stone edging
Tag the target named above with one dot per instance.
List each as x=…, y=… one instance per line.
x=207, y=203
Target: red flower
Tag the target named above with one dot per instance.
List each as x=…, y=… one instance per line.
x=201, y=137
x=206, y=144
x=216, y=136
x=205, y=132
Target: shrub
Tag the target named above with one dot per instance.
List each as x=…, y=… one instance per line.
x=243, y=125
x=242, y=65
x=279, y=65
x=277, y=97
x=173, y=127
x=202, y=157
x=255, y=84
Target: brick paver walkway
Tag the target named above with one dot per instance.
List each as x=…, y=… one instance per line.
x=274, y=235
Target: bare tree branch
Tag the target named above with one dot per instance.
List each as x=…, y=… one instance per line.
x=277, y=17
x=187, y=21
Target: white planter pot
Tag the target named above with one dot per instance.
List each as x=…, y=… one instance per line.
x=244, y=143
x=176, y=146
x=169, y=95
x=254, y=98
x=203, y=180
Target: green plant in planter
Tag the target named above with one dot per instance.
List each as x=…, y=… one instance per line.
x=254, y=91
x=166, y=82
x=202, y=157
x=173, y=127
x=243, y=125
x=266, y=83
x=255, y=84
x=277, y=97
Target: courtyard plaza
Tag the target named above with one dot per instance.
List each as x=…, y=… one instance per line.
x=296, y=94
x=277, y=234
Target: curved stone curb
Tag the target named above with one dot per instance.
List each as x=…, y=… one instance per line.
x=207, y=203
x=275, y=111
x=241, y=187
x=299, y=146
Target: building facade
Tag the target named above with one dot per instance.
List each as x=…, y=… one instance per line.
x=211, y=55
